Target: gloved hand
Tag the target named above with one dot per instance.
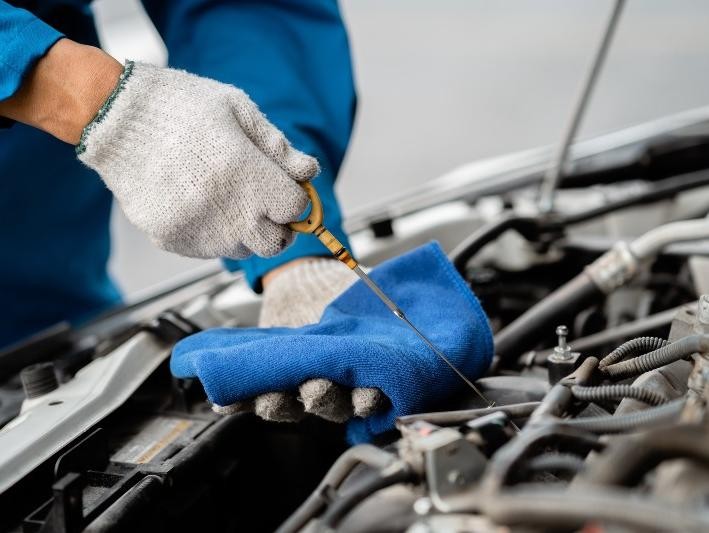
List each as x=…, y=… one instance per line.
x=195, y=164
x=357, y=343
x=295, y=297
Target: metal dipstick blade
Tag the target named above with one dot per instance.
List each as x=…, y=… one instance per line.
x=380, y=293
x=400, y=314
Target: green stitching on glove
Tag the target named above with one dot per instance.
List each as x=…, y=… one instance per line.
x=127, y=70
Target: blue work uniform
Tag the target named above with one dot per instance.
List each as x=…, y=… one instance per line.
x=292, y=57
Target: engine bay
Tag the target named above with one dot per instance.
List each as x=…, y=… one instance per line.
x=600, y=380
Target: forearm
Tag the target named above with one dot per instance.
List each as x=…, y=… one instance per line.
x=64, y=90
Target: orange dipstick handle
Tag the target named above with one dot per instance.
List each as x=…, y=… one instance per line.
x=313, y=224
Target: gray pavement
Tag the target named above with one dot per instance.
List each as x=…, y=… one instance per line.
x=444, y=82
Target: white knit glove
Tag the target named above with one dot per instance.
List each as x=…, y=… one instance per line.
x=296, y=297
x=196, y=165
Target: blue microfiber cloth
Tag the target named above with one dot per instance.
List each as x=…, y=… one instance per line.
x=357, y=343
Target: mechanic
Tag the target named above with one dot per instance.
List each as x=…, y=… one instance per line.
x=191, y=160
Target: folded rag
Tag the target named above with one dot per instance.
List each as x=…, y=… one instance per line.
x=357, y=343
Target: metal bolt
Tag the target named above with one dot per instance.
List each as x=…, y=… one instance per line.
x=562, y=349
x=562, y=332
x=703, y=309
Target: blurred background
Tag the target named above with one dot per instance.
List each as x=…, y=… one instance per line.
x=445, y=82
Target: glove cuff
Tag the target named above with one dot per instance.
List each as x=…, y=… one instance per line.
x=123, y=78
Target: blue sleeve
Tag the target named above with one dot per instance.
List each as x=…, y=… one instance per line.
x=292, y=57
x=24, y=39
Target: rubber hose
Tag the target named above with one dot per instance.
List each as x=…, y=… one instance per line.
x=538, y=506
x=558, y=307
x=343, y=504
x=651, y=243
x=632, y=348
x=658, y=358
x=443, y=418
x=663, y=414
x=566, y=462
x=131, y=509
x=466, y=250
x=504, y=464
x=363, y=453
x=626, y=461
x=613, y=392
x=663, y=319
x=558, y=399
